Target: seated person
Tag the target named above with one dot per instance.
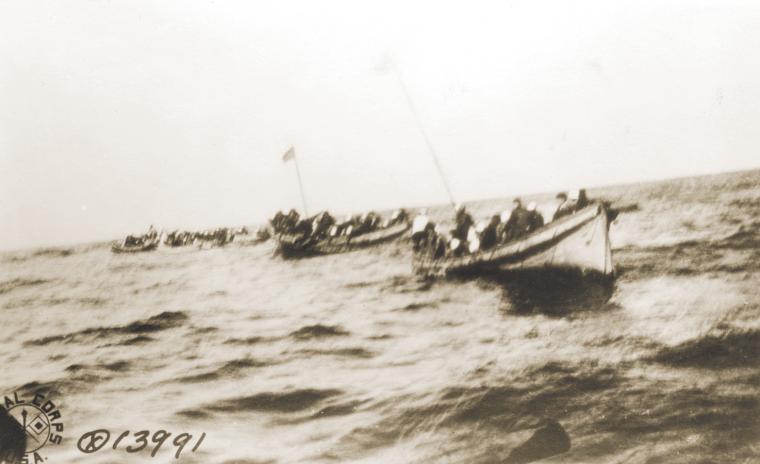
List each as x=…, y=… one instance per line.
x=582, y=199
x=519, y=221
x=489, y=237
x=473, y=238
x=421, y=227
x=462, y=223
x=577, y=200
x=303, y=228
x=322, y=224
x=536, y=220
x=397, y=217
x=285, y=224
x=457, y=247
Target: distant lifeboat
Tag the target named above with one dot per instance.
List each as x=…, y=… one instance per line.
x=295, y=246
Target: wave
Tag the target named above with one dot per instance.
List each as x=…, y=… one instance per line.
x=142, y=265
x=205, y=330
x=347, y=352
x=407, y=284
x=228, y=369
x=164, y=321
x=319, y=331
x=473, y=412
x=549, y=440
x=21, y=256
x=156, y=286
x=714, y=351
x=693, y=257
x=9, y=285
x=138, y=340
x=250, y=461
x=78, y=379
x=117, y=366
x=244, y=341
x=342, y=409
x=54, y=252
x=418, y=306
x=746, y=238
x=357, y=285
x=552, y=390
x=282, y=402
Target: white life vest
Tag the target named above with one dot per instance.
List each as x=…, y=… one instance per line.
x=419, y=223
x=474, y=245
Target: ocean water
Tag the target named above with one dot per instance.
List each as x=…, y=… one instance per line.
x=351, y=358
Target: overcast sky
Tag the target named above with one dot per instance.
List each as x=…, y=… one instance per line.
x=119, y=114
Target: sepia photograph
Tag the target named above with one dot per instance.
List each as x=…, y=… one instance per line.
x=407, y=232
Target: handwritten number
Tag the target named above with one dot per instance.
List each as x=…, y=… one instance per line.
x=159, y=438
x=118, y=440
x=180, y=441
x=92, y=441
x=141, y=439
x=200, y=440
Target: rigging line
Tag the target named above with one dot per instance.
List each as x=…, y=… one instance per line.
x=429, y=144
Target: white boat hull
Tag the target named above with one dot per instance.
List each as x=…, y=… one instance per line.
x=580, y=241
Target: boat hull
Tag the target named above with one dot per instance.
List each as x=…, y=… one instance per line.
x=290, y=246
x=579, y=241
x=119, y=248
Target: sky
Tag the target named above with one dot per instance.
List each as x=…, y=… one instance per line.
x=115, y=115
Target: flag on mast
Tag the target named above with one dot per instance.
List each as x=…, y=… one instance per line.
x=289, y=155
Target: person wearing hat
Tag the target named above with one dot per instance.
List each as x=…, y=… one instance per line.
x=564, y=208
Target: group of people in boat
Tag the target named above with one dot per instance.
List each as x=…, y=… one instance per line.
x=218, y=237
x=141, y=240
x=323, y=225
x=467, y=237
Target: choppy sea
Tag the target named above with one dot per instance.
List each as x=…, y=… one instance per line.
x=351, y=358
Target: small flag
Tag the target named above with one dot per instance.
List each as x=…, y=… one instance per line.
x=289, y=155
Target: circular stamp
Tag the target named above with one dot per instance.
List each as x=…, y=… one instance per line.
x=40, y=420
x=35, y=423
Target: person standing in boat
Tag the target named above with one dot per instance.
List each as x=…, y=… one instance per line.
x=564, y=208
